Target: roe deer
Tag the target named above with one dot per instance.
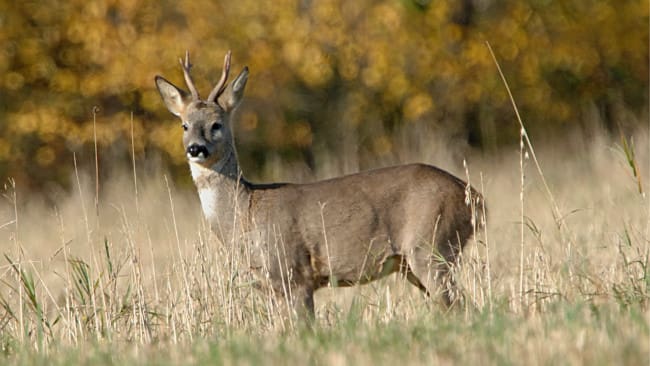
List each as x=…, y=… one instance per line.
x=413, y=219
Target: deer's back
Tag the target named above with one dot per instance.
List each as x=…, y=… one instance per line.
x=384, y=190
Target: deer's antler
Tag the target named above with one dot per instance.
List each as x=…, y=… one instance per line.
x=221, y=85
x=188, y=79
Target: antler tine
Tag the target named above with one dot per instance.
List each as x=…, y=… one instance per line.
x=188, y=79
x=221, y=85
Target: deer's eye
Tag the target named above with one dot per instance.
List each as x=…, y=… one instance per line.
x=184, y=126
x=216, y=126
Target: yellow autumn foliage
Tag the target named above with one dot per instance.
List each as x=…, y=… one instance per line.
x=368, y=67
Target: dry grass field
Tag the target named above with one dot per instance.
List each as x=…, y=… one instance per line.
x=559, y=276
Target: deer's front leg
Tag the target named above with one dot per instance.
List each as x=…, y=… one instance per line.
x=295, y=300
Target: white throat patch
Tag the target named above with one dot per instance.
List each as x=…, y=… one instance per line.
x=198, y=171
x=208, y=195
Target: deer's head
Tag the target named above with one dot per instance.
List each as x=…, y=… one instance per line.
x=207, y=135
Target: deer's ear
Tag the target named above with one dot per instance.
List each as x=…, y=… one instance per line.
x=175, y=98
x=234, y=93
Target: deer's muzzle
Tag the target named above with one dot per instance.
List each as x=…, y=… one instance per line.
x=196, y=152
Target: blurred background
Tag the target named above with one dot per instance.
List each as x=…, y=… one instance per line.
x=355, y=81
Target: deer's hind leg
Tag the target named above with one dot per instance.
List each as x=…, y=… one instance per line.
x=430, y=269
x=431, y=274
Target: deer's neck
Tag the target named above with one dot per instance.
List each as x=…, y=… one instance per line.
x=224, y=195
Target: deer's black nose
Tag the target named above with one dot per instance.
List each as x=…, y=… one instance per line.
x=195, y=150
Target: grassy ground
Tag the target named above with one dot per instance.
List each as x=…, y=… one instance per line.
x=559, y=276
x=578, y=334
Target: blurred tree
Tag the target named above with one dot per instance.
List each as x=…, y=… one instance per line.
x=354, y=73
